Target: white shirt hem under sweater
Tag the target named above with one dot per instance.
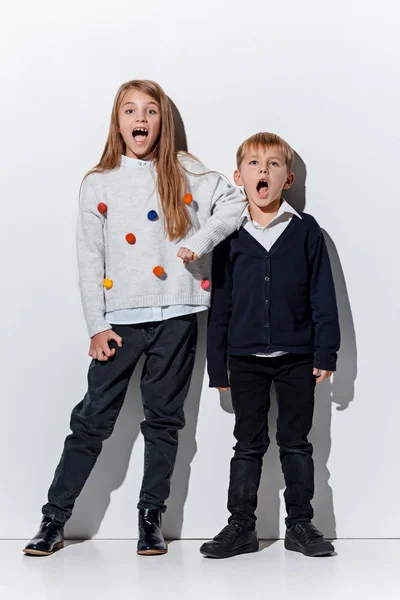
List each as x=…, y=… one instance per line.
x=129, y=193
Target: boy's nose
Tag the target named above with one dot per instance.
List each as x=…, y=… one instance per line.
x=264, y=170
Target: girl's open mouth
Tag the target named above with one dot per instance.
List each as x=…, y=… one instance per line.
x=140, y=134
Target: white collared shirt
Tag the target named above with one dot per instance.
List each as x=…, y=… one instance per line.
x=267, y=236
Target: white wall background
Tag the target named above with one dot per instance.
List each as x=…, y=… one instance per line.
x=325, y=76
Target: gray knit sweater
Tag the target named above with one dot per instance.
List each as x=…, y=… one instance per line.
x=116, y=269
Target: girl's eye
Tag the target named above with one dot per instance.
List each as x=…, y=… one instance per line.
x=129, y=111
x=152, y=111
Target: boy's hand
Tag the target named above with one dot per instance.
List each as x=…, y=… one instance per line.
x=223, y=389
x=187, y=255
x=321, y=374
x=99, y=348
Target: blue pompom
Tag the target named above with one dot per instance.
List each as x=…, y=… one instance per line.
x=152, y=215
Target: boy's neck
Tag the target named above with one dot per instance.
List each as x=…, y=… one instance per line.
x=263, y=216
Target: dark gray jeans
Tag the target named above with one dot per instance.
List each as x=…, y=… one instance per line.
x=169, y=347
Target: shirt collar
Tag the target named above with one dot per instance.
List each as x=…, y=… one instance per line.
x=127, y=161
x=284, y=208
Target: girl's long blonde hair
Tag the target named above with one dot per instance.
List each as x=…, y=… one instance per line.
x=171, y=181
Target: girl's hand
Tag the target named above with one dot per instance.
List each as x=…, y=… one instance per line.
x=99, y=348
x=223, y=389
x=187, y=255
x=321, y=374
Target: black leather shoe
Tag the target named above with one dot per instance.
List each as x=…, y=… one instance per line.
x=48, y=539
x=305, y=538
x=235, y=538
x=151, y=540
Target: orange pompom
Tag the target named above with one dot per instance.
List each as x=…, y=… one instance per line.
x=205, y=284
x=158, y=271
x=102, y=208
x=130, y=238
x=108, y=284
x=188, y=199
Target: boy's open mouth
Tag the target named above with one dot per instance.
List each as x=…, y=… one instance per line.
x=140, y=134
x=262, y=188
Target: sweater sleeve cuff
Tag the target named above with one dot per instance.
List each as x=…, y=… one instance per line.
x=218, y=377
x=95, y=326
x=205, y=240
x=324, y=360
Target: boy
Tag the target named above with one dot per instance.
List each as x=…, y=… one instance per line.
x=273, y=319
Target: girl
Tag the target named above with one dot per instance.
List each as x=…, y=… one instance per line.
x=142, y=209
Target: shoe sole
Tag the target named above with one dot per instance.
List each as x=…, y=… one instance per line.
x=57, y=547
x=253, y=547
x=151, y=552
x=295, y=548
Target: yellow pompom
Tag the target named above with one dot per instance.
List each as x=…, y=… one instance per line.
x=108, y=284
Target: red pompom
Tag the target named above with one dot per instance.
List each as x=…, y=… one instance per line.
x=205, y=284
x=130, y=238
x=102, y=208
x=188, y=199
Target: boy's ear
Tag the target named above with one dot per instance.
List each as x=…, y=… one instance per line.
x=289, y=181
x=237, y=178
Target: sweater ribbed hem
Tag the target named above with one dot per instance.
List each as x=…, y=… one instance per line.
x=158, y=300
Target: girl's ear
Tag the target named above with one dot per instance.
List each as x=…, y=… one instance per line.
x=237, y=178
x=289, y=181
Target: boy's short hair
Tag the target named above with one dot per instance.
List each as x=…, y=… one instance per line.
x=262, y=140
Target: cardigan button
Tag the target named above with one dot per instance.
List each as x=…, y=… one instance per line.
x=267, y=279
x=266, y=324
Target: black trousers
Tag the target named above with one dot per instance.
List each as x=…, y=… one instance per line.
x=250, y=380
x=169, y=347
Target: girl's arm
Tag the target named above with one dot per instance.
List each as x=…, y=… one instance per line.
x=227, y=204
x=91, y=260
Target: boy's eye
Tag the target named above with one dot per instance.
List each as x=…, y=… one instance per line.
x=274, y=163
x=253, y=162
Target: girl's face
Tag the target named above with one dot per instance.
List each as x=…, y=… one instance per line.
x=139, y=124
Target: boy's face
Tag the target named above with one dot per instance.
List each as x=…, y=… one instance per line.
x=264, y=175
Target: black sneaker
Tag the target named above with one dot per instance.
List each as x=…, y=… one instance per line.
x=305, y=538
x=235, y=538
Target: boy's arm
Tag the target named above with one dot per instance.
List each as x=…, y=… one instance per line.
x=227, y=205
x=91, y=260
x=219, y=316
x=324, y=308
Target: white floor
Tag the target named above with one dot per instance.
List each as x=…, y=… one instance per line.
x=96, y=570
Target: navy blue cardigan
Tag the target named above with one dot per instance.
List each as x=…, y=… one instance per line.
x=263, y=301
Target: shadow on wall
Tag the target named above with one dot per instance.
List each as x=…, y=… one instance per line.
x=340, y=392
x=112, y=466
